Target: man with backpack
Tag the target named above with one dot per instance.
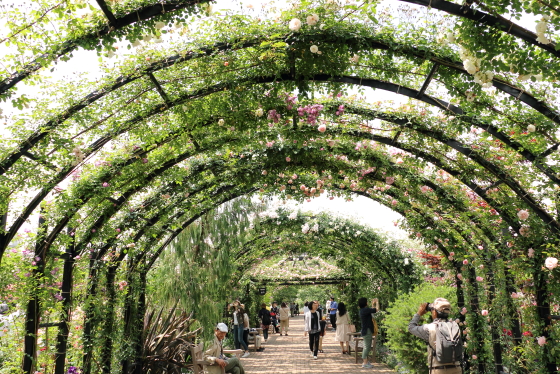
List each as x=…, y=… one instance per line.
x=445, y=346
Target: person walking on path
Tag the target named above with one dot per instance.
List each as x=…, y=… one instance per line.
x=264, y=316
x=332, y=311
x=238, y=328
x=322, y=332
x=274, y=315
x=305, y=307
x=215, y=354
x=284, y=318
x=342, y=327
x=313, y=328
x=367, y=327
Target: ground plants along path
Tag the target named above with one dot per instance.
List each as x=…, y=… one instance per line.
x=284, y=105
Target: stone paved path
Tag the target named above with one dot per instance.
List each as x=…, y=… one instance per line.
x=290, y=355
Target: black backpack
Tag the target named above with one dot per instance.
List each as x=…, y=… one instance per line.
x=265, y=317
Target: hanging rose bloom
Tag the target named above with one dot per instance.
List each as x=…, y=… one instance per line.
x=391, y=180
x=322, y=128
x=460, y=276
x=259, y=112
x=523, y=215
x=295, y=24
x=221, y=122
x=531, y=252
x=531, y=128
x=484, y=312
x=355, y=58
x=314, y=49
x=479, y=279
x=465, y=262
x=105, y=184
x=474, y=357
x=464, y=311
x=541, y=340
x=551, y=263
x=288, y=159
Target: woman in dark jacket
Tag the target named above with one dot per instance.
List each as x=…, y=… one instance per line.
x=264, y=316
x=367, y=327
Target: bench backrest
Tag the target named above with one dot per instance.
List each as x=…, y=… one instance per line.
x=196, y=355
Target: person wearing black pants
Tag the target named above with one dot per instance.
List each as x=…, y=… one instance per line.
x=312, y=327
x=332, y=310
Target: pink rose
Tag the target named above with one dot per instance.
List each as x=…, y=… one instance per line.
x=474, y=357
x=460, y=276
x=541, y=340
x=479, y=279
x=288, y=159
x=531, y=252
x=484, y=312
x=464, y=311
x=322, y=128
x=523, y=215
x=465, y=262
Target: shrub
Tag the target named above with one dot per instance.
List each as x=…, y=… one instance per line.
x=409, y=350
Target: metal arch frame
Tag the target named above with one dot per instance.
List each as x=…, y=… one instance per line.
x=352, y=80
x=513, y=91
x=115, y=23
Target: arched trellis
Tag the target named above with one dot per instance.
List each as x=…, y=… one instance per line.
x=92, y=204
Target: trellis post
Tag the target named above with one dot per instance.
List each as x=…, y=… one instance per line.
x=34, y=304
x=66, y=293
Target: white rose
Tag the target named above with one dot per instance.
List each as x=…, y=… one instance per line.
x=531, y=128
x=541, y=27
x=451, y=37
x=314, y=49
x=295, y=24
x=259, y=112
x=543, y=39
x=355, y=58
x=312, y=20
x=551, y=262
x=221, y=122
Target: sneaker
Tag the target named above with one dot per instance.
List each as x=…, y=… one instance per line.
x=246, y=354
x=314, y=357
x=367, y=366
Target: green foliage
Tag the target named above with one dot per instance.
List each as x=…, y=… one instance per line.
x=409, y=350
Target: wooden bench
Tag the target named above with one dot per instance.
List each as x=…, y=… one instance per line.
x=356, y=342
x=199, y=365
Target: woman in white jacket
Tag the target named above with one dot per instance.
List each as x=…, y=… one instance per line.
x=312, y=327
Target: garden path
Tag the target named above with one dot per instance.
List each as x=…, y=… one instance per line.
x=290, y=355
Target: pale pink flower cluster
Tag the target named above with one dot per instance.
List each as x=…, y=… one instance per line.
x=274, y=116
x=312, y=19
x=425, y=189
x=390, y=180
x=551, y=263
x=541, y=340
x=295, y=24
x=464, y=311
x=523, y=215
x=524, y=230
x=312, y=112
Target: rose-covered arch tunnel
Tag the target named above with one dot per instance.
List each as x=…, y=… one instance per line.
x=174, y=132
